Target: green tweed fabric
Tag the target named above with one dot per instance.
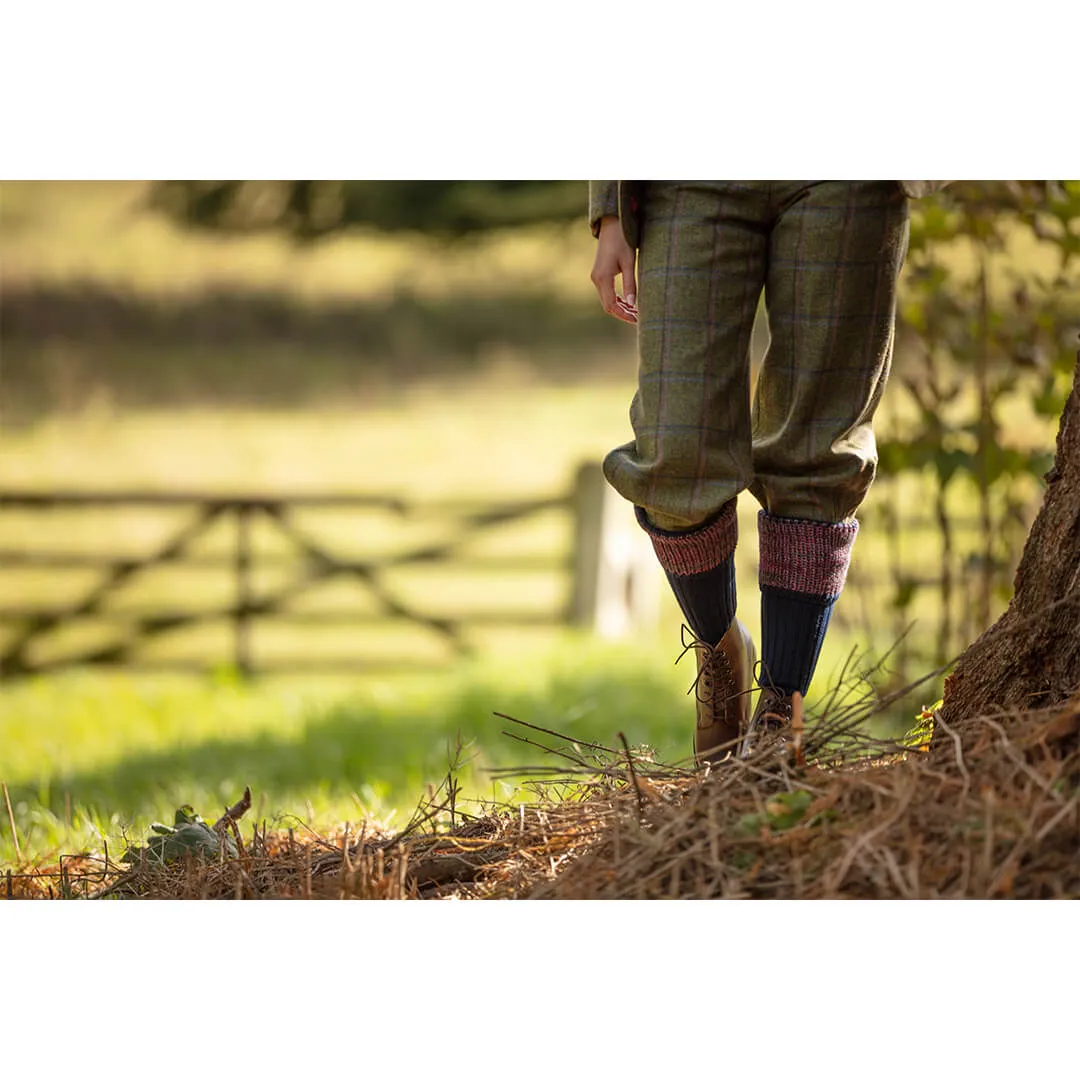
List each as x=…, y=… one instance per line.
x=603, y=202
x=827, y=255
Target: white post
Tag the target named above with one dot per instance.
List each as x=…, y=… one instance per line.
x=617, y=580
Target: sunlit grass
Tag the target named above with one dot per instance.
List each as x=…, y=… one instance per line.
x=435, y=437
x=87, y=748
x=92, y=758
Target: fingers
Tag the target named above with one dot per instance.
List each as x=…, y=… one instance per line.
x=627, y=309
x=629, y=285
x=612, y=303
x=605, y=286
x=623, y=310
x=614, y=257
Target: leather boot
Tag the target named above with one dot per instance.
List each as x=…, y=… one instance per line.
x=724, y=681
x=770, y=725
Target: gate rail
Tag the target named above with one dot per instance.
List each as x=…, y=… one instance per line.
x=601, y=585
x=314, y=561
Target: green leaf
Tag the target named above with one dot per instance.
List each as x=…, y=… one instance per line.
x=1049, y=400
x=787, y=809
x=750, y=824
x=919, y=735
x=948, y=463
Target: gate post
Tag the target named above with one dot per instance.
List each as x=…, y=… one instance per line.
x=617, y=586
x=242, y=567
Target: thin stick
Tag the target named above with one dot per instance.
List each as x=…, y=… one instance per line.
x=231, y=822
x=958, y=745
x=1048, y=827
x=837, y=878
x=548, y=731
x=11, y=818
x=633, y=775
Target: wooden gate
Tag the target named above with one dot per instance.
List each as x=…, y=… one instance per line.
x=606, y=580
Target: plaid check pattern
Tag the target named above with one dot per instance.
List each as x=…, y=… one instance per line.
x=827, y=255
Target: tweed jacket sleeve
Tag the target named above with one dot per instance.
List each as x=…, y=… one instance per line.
x=617, y=198
x=603, y=202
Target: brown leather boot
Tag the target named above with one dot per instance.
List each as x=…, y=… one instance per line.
x=771, y=723
x=724, y=681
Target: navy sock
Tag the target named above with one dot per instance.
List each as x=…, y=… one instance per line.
x=802, y=571
x=700, y=566
x=793, y=629
x=707, y=600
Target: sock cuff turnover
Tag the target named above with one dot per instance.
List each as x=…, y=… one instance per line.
x=696, y=551
x=804, y=556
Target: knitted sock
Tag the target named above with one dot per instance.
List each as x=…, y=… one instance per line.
x=793, y=630
x=700, y=567
x=802, y=571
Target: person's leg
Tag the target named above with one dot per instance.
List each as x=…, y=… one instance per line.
x=835, y=255
x=701, y=270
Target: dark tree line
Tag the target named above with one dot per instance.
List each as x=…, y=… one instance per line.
x=310, y=209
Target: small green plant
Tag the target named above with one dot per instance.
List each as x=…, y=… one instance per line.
x=918, y=736
x=781, y=812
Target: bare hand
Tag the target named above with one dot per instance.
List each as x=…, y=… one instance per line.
x=615, y=257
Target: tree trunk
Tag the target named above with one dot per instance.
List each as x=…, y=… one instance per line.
x=1030, y=658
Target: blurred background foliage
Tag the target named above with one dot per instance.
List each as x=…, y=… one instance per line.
x=436, y=339
x=429, y=279
x=310, y=209
x=989, y=329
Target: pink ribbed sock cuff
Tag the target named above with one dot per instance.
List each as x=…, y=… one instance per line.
x=805, y=556
x=698, y=550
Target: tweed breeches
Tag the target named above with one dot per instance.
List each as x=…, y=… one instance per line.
x=827, y=255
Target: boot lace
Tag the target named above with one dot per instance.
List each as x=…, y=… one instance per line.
x=774, y=716
x=714, y=667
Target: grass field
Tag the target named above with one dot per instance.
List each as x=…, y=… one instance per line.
x=88, y=755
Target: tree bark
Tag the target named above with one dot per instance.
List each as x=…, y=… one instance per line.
x=1030, y=658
